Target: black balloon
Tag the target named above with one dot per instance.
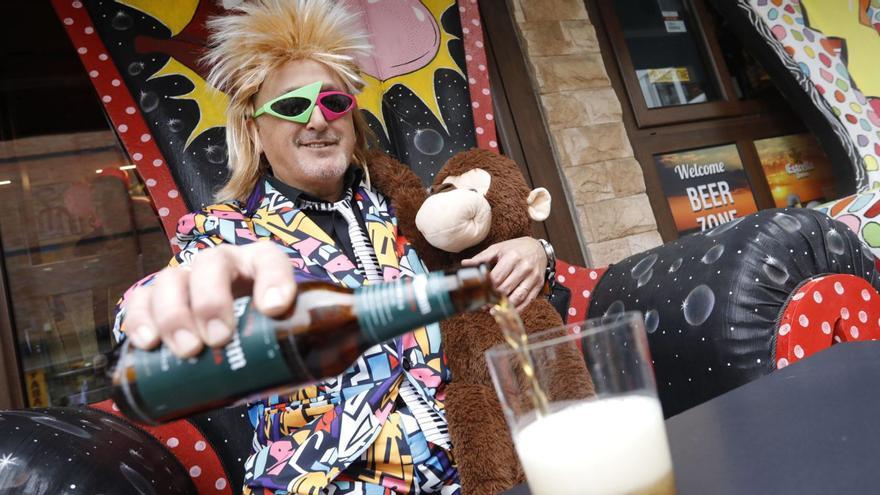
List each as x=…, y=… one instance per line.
x=83, y=451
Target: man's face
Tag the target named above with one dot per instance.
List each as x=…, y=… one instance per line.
x=312, y=156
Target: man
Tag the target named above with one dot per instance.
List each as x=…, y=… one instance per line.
x=299, y=195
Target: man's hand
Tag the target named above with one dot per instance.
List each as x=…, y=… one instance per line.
x=188, y=307
x=519, y=268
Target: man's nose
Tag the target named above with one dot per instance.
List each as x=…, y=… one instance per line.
x=316, y=120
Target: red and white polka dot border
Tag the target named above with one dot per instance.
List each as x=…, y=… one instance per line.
x=826, y=310
x=478, y=74
x=127, y=119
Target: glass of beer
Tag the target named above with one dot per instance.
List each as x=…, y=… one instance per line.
x=598, y=429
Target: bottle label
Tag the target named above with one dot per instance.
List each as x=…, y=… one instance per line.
x=390, y=309
x=252, y=362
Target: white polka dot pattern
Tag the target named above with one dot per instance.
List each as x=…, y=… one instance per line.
x=475, y=60
x=842, y=298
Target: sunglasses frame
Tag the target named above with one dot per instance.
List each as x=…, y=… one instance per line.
x=313, y=93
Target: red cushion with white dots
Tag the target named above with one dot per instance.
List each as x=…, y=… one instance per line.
x=581, y=282
x=825, y=310
x=189, y=446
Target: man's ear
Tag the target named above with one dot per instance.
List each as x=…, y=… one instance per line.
x=255, y=135
x=539, y=204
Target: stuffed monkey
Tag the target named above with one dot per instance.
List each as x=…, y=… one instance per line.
x=478, y=198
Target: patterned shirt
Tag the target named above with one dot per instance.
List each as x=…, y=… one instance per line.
x=377, y=428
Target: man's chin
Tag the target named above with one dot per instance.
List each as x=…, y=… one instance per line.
x=330, y=167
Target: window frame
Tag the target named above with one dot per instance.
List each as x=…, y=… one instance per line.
x=727, y=105
x=702, y=125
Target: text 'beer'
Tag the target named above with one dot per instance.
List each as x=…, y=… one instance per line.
x=330, y=328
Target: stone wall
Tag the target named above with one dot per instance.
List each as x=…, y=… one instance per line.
x=583, y=113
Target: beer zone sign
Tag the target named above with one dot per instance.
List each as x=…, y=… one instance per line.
x=705, y=187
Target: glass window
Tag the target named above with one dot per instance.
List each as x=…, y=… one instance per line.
x=77, y=230
x=667, y=57
x=77, y=227
x=748, y=77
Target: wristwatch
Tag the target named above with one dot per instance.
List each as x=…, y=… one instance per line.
x=550, y=274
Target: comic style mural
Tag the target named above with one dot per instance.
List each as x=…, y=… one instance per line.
x=143, y=57
x=829, y=47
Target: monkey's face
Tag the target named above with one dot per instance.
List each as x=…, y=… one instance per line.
x=457, y=215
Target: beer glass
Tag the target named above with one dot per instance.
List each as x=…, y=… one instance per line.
x=602, y=431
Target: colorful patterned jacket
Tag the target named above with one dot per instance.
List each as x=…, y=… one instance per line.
x=304, y=441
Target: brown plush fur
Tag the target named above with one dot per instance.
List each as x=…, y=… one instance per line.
x=407, y=193
x=482, y=445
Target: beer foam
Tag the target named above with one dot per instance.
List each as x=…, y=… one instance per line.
x=609, y=446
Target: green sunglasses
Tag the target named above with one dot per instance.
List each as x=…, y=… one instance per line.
x=298, y=105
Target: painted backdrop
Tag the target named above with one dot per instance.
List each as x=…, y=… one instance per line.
x=143, y=57
x=830, y=48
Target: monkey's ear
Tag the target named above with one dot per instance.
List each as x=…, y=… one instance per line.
x=539, y=204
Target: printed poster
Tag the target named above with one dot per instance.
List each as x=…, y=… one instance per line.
x=797, y=170
x=705, y=187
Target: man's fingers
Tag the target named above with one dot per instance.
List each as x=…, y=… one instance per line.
x=507, y=275
x=187, y=307
x=531, y=297
x=274, y=287
x=170, y=310
x=524, y=283
x=487, y=255
x=518, y=296
x=139, y=326
x=210, y=294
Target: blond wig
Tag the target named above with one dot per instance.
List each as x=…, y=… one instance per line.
x=261, y=35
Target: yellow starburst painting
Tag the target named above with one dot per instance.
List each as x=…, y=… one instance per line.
x=416, y=99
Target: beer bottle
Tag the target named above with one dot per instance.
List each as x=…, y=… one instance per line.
x=329, y=328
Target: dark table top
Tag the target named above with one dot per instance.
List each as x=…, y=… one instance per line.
x=810, y=428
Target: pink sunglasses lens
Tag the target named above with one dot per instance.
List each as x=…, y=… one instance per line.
x=335, y=105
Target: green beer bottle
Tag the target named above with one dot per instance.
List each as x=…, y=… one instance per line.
x=329, y=328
